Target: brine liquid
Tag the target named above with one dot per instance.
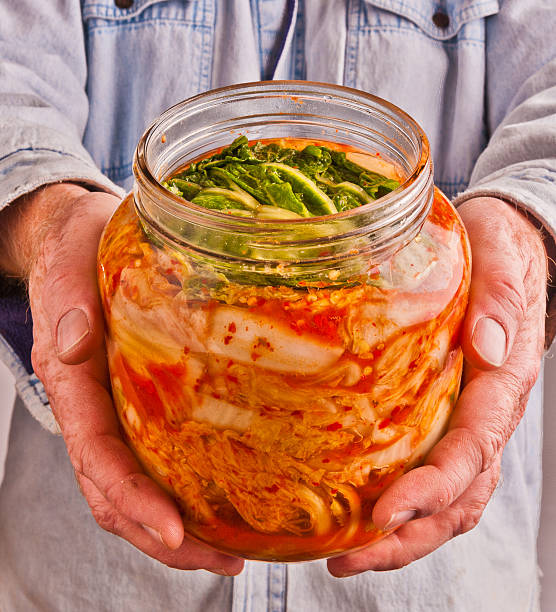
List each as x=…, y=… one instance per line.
x=275, y=415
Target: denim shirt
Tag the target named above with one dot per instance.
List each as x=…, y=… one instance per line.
x=479, y=75
x=80, y=82
x=471, y=72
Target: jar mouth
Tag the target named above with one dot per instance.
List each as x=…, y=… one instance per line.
x=274, y=109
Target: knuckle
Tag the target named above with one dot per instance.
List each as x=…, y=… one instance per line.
x=451, y=484
x=508, y=291
x=486, y=445
x=490, y=444
x=75, y=453
x=399, y=555
x=119, y=491
x=529, y=376
x=516, y=384
x=88, y=456
x=101, y=509
x=41, y=351
x=466, y=518
x=39, y=362
x=51, y=378
x=81, y=451
x=104, y=513
x=79, y=480
x=107, y=517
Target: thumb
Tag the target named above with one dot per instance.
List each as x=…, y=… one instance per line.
x=69, y=292
x=497, y=299
x=78, y=332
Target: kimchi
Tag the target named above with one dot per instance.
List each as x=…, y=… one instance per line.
x=277, y=408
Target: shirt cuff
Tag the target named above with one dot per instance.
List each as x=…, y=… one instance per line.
x=27, y=163
x=29, y=388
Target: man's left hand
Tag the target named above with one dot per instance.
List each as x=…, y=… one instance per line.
x=502, y=341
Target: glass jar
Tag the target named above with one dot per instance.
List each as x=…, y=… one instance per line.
x=274, y=376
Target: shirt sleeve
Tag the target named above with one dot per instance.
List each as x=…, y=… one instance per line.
x=519, y=163
x=43, y=100
x=43, y=114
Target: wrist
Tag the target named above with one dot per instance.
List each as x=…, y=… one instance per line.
x=38, y=218
x=26, y=220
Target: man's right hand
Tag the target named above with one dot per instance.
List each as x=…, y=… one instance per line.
x=51, y=239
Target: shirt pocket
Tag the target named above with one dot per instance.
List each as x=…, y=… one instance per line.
x=141, y=60
x=428, y=57
x=439, y=20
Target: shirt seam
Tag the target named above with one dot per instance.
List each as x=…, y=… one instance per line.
x=47, y=149
x=117, y=16
x=207, y=48
x=415, y=29
x=460, y=18
x=130, y=27
x=257, y=14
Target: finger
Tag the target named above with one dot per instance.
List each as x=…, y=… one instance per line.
x=497, y=300
x=84, y=411
x=69, y=287
x=419, y=538
x=486, y=415
x=78, y=393
x=189, y=556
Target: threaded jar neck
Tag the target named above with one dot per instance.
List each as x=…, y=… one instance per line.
x=284, y=109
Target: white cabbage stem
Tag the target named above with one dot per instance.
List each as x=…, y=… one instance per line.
x=245, y=336
x=221, y=414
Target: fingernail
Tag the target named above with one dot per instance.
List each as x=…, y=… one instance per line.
x=219, y=570
x=72, y=328
x=154, y=533
x=399, y=518
x=489, y=340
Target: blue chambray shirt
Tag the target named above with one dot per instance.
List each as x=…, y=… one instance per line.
x=79, y=83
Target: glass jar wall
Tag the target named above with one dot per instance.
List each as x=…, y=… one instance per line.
x=274, y=376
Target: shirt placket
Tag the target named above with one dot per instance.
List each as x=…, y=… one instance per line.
x=264, y=586
x=297, y=64
x=353, y=26
x=275, y=22
x=282, y=60
x=260, y=587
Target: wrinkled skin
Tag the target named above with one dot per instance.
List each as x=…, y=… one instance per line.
x=430, y=505
x=450, y=492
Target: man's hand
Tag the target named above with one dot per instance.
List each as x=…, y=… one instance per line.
x=502, y=339
x=54, y=236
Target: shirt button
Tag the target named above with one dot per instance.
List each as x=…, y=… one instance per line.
x=441, y=20
x=125, y=4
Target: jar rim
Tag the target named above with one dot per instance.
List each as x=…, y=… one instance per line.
x=142, y=170
x=412, y=198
